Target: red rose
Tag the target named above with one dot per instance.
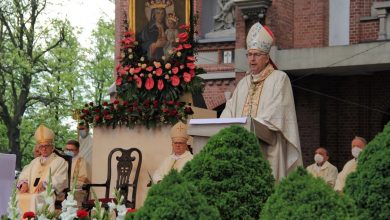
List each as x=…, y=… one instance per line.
x=116, y=102
x=191, y=58
x=165, y=110
x=122, y=71
x=173, y=112
x=97, y=117
x=175, y=70
x=183, y=37
x=187, y=77
x=175, y=80
x=137, y=70
x=82, y=213
x=160, y=84
x=125, y=103
x=118, y=81
x=105, y=103
x=170, y=102
x=139, y=82
x=149, y=84
x=105, y=112
x=29, y=215
x=187, y=46
x=159, y=72
x=191, y=65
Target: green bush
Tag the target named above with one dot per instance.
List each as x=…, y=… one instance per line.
x=369, y=186
x=173, y=198
x=302, y=196
x=232, y=174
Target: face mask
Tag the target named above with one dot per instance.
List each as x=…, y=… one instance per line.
x=69, y=153
x=356, y=151
x=318, y=158
x=83, y=133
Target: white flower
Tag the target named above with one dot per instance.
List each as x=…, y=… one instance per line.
x=122, y=210
x=111, y=206
x=42, y=217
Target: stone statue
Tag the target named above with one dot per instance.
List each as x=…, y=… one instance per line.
x=224, y=19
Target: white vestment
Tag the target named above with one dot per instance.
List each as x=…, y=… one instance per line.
x=39, y=168
x=327, y=172
x=86, y=152
x=276, y=110
x=348, y=168
x=172, y=162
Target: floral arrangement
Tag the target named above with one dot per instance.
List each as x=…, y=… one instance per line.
x=148, y=91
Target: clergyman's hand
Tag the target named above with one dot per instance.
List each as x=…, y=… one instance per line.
x=23, y=188
x=39, y=188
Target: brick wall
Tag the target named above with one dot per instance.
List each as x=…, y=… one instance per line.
x=349, y=106
x=280, y=19
x=310, y=23
x=362, y=31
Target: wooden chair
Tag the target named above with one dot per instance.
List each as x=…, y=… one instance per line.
x=129, y=159
x=68, y=159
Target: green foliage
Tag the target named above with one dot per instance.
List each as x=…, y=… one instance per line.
x=369, y=186
x=232, y=174
x=301, y=196
x=174, y=198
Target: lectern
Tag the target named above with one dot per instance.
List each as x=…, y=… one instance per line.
x=202, y=129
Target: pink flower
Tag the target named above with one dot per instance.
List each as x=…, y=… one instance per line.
x=139, y=82
x=149, y=84
x=149, y=68
x=159, y=72
x=118, y=81
x=175, y=70
x=191, y=58
x=180, y=47
x=183, y=37
x=191, y=65
x=187, y=77
x=167, y=66
x=175, y=80
x=192, y=72
x=187, y=46
x=160, y=84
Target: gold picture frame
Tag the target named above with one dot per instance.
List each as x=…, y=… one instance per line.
x=156, y=23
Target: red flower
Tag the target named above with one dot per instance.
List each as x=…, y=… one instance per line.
x=107, y=117
x=146, y=103
x=29, y=215
x=173, y=112
x=181, y=66
x=183, y=37
x=160, y=84
x=149, y=84
x=116, y=102
x=165, y=110
x=125, y=103
x=97, y=117
x=188, y=110
x=179, y=48
x=175, y=80
x=171, y=102
x=191, y=65
x=139, y=82
x=131, y=210
x=122, y=71
x=105, y=103
x=137, y=70
x=159, y=72
x=117, y=67
x=155, y=104
x=118, y=81
x=187, y=46
x=175, y=70
x=149, y=68
x=192, y=72
x=184, y=26
x=91, y=103
x=82, y=213
x=187, y=77
x=191, y=58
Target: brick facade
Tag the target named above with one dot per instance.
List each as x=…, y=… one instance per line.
x=331, y=109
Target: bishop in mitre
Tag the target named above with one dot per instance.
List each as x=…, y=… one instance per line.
x=180, y=153
x=34, y=178
x=265, y=94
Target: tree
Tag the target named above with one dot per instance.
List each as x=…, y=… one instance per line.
x=174, y=198
x=302, y=196
x=369, y=186
x=24, y=47
x=100, y=62
x=232, y=174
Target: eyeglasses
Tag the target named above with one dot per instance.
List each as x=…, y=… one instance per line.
x=67, y=149
x=256, y=55
x=179, y=143
x=45, y=146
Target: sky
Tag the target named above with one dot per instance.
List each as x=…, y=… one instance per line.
x=81, y=13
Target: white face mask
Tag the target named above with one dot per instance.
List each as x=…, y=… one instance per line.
x=83, y=133
x=356, y=151
x=318, y=158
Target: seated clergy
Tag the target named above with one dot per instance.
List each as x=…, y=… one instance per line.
x=180, y=154
x=79, y=169
x=322, y=168
x=34, y=178
x=358, y=144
